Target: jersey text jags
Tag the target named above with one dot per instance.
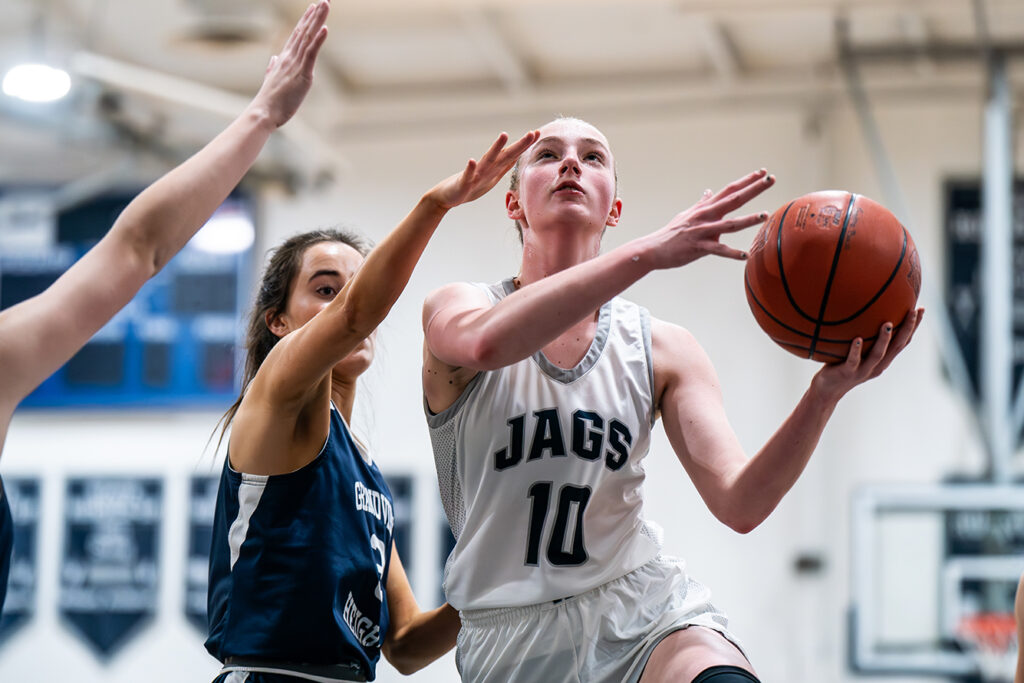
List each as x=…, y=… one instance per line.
x=590, y=439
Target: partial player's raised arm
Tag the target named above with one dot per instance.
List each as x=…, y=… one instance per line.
x=39, y=335
x=304, y=356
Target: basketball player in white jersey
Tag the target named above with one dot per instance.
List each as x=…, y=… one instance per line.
x=541, y=392
x=39, y=335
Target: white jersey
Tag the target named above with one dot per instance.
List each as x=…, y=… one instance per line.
x=541, y=469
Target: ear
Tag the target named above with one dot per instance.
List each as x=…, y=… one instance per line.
x=615, y=213
x=513, y=209
x=275, y=323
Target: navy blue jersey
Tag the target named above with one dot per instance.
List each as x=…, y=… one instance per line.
x=6, y=542
x=299, y=561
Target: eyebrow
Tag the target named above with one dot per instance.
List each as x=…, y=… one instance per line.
x=332, y=273
x=554, y=138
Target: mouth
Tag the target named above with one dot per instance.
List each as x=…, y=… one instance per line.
x=569, y=186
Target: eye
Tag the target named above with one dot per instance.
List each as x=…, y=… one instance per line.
x=594, y=156
x=546, y=154
x=327, y=291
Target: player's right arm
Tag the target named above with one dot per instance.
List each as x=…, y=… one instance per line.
x=40, y=334
x=464, y=334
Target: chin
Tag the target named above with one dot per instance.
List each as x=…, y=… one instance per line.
x=355, y=363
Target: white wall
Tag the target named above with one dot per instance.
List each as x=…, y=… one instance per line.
x=906, y=426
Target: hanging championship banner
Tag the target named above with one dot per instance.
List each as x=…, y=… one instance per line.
x=202, y=503
x=23, y=496
x=109, y=571
x=401, y=494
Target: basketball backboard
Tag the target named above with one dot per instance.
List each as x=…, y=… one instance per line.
x=925, y=558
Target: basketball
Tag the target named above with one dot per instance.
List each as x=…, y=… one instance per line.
x=829, y=267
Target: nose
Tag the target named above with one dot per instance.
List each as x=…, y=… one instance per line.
x=570, y=164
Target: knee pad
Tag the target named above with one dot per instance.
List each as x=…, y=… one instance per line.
x=725, y=674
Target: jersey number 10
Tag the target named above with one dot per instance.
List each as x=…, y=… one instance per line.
x=563, y=550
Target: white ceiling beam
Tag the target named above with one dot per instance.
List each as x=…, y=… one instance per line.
x=915, y=31
x=495, y=49
x=181, y=92
x=367, y=116
x=717, y=7
x=720, y=48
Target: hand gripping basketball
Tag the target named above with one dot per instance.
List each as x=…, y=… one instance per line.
x=828, y=268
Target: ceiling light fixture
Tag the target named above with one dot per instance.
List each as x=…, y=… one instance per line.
x=36, y=83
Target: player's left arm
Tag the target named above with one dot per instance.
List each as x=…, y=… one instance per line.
x=415, y=638
x=40, y=334
x=742, y=492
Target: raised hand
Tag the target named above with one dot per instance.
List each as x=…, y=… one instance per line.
x=838, y=378
x=290, y=72
x=480, y=176
x=696, y=231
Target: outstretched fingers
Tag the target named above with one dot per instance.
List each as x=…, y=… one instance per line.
x=500, y=157
x=739, y=192
x=312, y=31
x=727, y=225
x=297, y=32
x=510, y=153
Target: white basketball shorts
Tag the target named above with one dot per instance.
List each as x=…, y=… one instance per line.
x=605, y=635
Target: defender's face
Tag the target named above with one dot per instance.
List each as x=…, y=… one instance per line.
x=326, y=268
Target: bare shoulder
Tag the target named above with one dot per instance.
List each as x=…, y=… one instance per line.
x=678, y=357
x=671, y=343
x=453, y=295
x=445, y=311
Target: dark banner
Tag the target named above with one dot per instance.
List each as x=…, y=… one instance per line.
x=401, y=493
x=109, y=572
x=23, y=496
x=964, y=296
x=202, y=502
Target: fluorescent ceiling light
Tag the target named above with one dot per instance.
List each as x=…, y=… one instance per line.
x=36, y=83
x=229, y=231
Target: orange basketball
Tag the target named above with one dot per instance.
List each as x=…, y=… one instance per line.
x=829, y=267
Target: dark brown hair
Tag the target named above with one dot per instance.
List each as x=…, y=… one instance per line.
x=275, y=286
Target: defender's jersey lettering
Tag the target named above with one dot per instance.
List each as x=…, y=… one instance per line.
x=375, y=503
x=363, y=628
x=546, y=439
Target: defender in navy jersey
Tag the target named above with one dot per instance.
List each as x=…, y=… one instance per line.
x=541, y=392
x=305, y=580
x=305, y=555
x=39, y=335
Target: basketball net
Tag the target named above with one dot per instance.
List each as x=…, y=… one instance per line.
x=991, y=638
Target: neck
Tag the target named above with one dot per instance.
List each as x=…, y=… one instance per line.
x=343, y=393
x=555, y=251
